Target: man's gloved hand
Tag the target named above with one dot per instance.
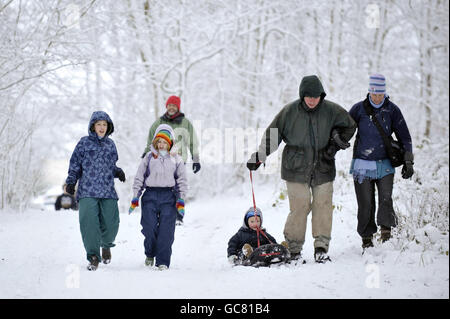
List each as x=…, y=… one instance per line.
x=70, y=189
x=330, y=151
x=253, y=163
x=134, y=204
x=143, y=154
x=196, y=167
x=120, y=175
x=337, y=139
x=407, y=169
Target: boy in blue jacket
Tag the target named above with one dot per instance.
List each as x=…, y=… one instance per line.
x=93, y=165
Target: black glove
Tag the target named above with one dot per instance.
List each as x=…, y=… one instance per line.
x=120, y=175
x=70, y=189
x=330, y=151
x=253, y=163
x=407, y=169
x=196, y=167
x=337, y=139
x=143, y=155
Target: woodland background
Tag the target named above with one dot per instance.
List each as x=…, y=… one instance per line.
x=234, y=63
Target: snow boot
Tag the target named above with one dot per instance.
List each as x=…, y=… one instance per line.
x=385, y=233
x=367, y=242
x=162, y=267
x=297, y=259
x=149, y=261
x=320, y=255
x=93, y=263
x=247, y=250
x=106, y=255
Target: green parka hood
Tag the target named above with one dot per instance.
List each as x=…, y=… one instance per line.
x=311, y=86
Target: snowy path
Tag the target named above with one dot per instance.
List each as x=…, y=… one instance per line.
x=41, y=256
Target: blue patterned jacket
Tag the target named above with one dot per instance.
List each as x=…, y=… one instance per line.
x=93, y=162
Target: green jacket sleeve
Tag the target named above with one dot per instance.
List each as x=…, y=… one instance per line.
x=344, y=123
x=193, y=143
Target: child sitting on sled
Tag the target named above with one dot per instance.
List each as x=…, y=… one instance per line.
x=251, y=237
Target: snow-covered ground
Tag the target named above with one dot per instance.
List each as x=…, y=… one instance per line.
x=42, y=256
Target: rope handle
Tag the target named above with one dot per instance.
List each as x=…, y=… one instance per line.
x=258, y=229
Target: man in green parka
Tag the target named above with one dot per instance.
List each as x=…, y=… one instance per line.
x=185, y=137
x=314, y=129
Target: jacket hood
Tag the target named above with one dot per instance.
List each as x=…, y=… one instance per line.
x=100, y=116
x=311, y=86
x=251, y=212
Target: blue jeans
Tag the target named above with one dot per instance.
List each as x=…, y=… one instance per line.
x=158, y=219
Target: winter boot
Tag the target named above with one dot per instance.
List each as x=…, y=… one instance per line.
x=320, y=255
x=106, y=255
x=93, y=263
x=247, y=250
x=296, y=258
x=149, y=261
x=367, y=242
x=385, y=233
x=162, y=267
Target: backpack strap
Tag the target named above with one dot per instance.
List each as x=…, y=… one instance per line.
x=373, y=118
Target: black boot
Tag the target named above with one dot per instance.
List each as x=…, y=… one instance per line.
x=297, y=259
x=320, y=255
x=385, y=233
x=367, y=242
x=93, y=263
x=106, y=255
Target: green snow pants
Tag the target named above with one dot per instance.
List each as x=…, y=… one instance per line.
x=99, y=224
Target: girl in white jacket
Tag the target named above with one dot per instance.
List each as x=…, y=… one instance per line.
x=162, y=174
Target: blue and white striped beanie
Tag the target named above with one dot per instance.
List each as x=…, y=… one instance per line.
x=377, y=84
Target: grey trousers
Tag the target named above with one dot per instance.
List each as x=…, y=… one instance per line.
x=304, y=199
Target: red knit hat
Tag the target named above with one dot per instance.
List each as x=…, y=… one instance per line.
x=174, y=100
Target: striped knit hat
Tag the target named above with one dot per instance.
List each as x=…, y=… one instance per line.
x=165, y=132
x=377, y=84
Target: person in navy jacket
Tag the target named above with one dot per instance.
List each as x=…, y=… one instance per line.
x=371, y=166
x=93, y=166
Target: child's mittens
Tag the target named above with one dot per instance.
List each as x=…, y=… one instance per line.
x=180, y=206
x=134, y=204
